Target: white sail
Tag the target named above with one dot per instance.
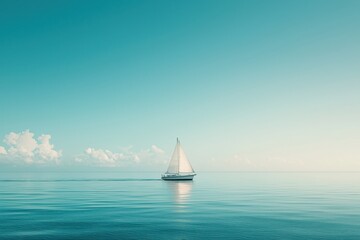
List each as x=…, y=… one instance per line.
x=184, y=164
x=174, y=162
x=179, y=162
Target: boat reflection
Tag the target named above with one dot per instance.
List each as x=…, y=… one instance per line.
x=181, y=192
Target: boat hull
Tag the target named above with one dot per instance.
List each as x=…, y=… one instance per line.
x=178, y=177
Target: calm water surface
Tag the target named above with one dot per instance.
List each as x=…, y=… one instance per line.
x=214, y=206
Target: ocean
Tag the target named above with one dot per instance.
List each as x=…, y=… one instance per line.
x=216, y=205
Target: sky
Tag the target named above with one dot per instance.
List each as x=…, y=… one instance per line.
x=245, y=85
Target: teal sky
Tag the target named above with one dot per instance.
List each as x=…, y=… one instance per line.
x=246, y=85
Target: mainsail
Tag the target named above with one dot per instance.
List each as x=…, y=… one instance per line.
x=179, y=162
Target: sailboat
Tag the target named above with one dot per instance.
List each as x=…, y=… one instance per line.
x=179, y=166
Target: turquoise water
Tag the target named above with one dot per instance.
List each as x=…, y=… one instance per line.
x=214, y=206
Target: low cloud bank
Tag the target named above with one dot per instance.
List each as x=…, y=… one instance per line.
x=24, y=147
x=104, y=157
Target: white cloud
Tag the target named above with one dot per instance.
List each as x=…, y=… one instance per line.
x=126, y=155
x=45, y=149
x=156, y=149
x=104, y=157
x=24, y=147
x=21, y=145
x=3, y=150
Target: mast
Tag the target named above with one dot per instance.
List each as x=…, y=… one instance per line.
x=178, y=153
